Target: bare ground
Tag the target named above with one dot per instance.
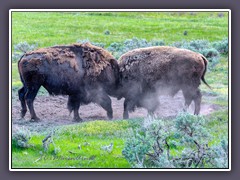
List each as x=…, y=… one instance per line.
x=52, y=110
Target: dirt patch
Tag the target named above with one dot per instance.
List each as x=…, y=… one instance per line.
x=52, y=110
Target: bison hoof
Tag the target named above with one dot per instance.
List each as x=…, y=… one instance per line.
x=23, y=112
x=110, y=116
x=35, y=119
x=196, y=113
x=77, y=119
x=125, y=116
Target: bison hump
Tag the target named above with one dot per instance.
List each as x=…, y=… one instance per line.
x=95, y=59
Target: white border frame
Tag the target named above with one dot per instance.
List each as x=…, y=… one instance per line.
x=117, y=10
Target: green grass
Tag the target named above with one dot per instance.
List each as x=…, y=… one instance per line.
x=15, y=76
x=90, y=156
x=90, y=136
x=52, y=28
x=219, y=125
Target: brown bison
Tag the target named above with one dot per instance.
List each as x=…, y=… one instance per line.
x=147, y=72
x=84, y=72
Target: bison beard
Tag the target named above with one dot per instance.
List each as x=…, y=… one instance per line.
x=85, y=72
x=146, y=73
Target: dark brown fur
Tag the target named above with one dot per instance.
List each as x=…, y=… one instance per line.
x=85, y=72
x=146, y=72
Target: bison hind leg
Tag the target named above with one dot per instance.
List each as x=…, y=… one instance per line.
x=29, y=97
x=188, y=96
x=197, y=102
x=21, y=95
x=174, y=91
x=126, y=109
x=192, y=94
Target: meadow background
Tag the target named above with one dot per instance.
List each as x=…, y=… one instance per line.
x=85, y=145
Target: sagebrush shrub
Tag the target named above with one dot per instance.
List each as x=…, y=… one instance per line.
x=199, y=45
x=221, y=46
x=212, y=56
x=157, y=43
x=134, y=43
x=210, y=50
x=118, y=49
x=21, y=48
x=21, y=137
x=182, y=143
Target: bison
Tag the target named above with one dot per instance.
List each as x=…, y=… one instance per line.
x=84, y=72
x=146, y=73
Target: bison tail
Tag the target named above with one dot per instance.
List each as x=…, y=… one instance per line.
x=20, y=74
x=203, y=79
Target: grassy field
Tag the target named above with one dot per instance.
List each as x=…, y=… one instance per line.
x=82, y=142
x=52, y=28
x=81, y=145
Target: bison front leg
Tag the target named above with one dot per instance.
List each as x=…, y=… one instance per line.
x=129, y=106
x=105, y=102
x=150, y=102
x=151, y=112
x=74, y=105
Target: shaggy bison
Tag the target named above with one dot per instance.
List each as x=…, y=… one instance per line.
x=146, y=73
x=84, y=72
